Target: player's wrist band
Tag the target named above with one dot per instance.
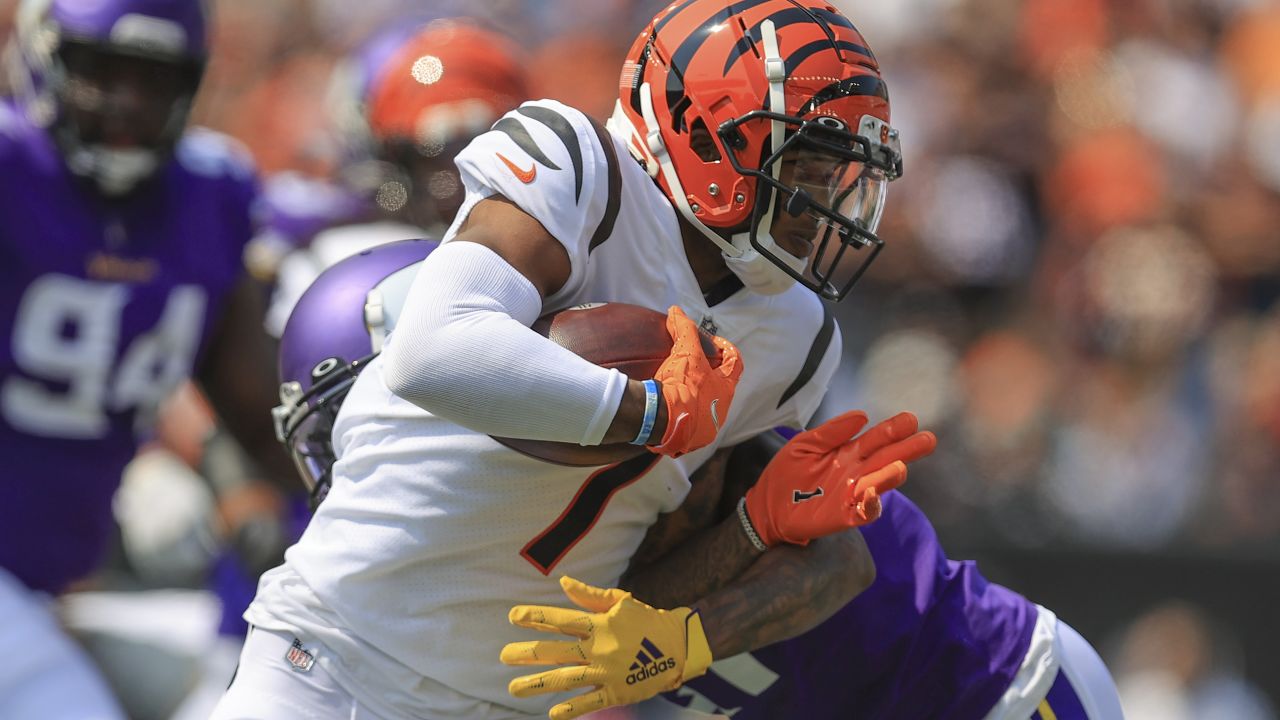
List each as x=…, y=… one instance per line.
x=650, y=412
x=748, y=528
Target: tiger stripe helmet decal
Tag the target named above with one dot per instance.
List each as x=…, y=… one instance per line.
x=702, y=67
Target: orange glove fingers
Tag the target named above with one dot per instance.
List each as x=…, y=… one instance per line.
x=910, y=449
x=885, y=432
x=832, y=433
x=881, y=481
x=868, y=510
x=730, y=359
x=684, y=333
x=697, y=396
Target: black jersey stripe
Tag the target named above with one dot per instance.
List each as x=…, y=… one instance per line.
x=524, y=141
x=817, y=351
x=563, y=129
x=546, y=550
x=722, y=290
x=605, y=229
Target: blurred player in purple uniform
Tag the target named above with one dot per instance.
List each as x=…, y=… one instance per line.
x=122, y=241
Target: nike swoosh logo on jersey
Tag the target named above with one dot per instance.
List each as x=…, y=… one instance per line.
x=524, y=176
x=715, y=413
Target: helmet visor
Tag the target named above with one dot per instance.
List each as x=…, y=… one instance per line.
x=826, y=209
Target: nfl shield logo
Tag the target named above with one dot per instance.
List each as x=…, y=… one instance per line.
x=299, y=657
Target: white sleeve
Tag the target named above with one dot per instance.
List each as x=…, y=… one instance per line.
x=463, y=350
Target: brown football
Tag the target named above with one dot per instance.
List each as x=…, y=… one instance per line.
x=632, y=339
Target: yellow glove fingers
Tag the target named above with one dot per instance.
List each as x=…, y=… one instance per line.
x=590, y=597
x=579, y=706
x=543, y=652
x=552, y=619
x=554, y=681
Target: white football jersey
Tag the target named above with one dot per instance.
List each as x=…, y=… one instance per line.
x=432, y=532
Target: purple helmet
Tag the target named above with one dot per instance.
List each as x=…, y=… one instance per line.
x=337, y=326
x=112, y=80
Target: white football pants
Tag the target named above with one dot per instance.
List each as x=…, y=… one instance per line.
x=274, y=690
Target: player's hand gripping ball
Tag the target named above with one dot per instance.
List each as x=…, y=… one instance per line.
x=633, y=339
x=697, y=394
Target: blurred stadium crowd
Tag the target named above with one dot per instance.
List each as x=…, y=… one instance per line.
x=1081, y=293
x=1082, y=285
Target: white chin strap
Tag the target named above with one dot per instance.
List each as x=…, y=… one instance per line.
x=116, y=172
x=757, y=272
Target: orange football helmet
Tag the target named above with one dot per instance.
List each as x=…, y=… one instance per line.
x=451, y=76
x=446, y=84
x=766, y=122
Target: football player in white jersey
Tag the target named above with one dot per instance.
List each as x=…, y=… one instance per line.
x=741, y=177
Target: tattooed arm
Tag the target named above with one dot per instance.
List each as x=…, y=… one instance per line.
x=700, y=557
x=788, y=591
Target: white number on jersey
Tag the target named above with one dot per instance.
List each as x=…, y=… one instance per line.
x=67, y=330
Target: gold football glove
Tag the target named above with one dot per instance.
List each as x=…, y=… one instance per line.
x=626, y=649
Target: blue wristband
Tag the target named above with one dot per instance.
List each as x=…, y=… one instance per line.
x=650, y=412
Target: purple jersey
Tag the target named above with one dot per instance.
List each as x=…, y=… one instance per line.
x=931, y=638
x=104, y=308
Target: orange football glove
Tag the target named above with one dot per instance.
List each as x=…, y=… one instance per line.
x=697, y=395
x=830, y=478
